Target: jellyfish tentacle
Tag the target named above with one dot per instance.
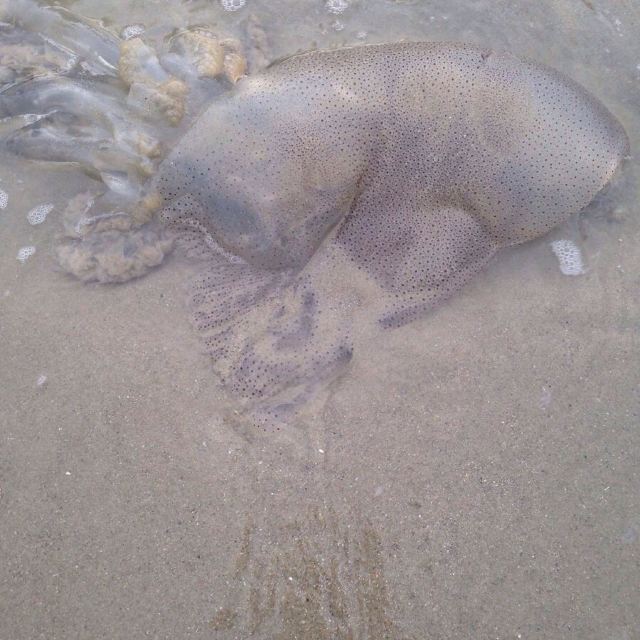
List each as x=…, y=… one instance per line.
x=268, y=333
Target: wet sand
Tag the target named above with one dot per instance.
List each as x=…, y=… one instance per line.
x=475, y=476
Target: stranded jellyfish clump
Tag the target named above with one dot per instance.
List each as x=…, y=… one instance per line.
x=109, y=103
x=331, y=192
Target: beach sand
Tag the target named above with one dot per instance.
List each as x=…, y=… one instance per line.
x=474, y=476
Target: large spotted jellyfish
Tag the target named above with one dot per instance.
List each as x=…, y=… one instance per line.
x=378, y=177
x=337, y=193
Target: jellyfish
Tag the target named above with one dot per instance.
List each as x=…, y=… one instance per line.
x=336, y=193
x=366, y=185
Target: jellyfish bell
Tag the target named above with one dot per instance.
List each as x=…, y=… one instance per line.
x=554, y=146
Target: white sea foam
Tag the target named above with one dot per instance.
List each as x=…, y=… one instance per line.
x=569, y=257
x=39, y=214
x=132, y=31
x=336, y=6
x=232, y=5
x=25, y=253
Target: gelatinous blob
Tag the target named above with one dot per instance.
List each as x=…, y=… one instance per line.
x=235, y=64
x=206, y=54
x=108, y=247
x=56, y=107
x=150, y=85
x=4, y=199
x=363, y=186
x=77, y=121
x=113, y=256
x=205, y=51
x=85, y=44
x=107, y=115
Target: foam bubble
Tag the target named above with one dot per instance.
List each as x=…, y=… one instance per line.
x=336, y=6
x=132, y=31
x=4, y=199
x=39, y=214
x=232, y=5
x=569, y=257
x=25, y=253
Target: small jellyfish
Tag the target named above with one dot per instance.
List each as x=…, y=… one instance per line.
x=151, y=87
x=39, y=214
x=203, y=51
